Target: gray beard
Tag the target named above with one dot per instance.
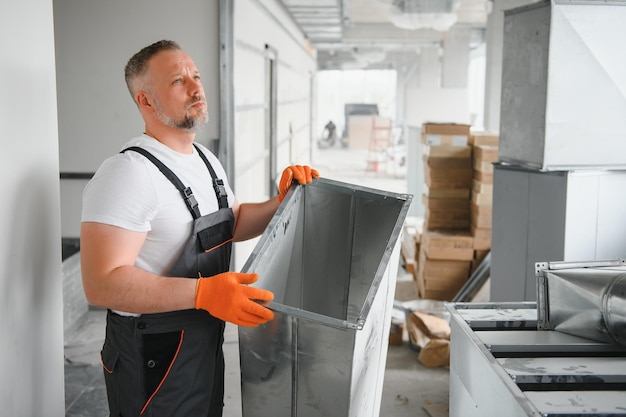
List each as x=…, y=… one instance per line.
x=186, y=123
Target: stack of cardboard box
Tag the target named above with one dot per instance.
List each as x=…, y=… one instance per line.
x=485, y=153
x=446, y=250
x=448, y=176
x=444, y=263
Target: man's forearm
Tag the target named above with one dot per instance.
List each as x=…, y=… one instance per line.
x=253, y=218
x=134, y=290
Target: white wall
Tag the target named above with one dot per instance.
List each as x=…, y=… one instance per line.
x=94, y=40
x=426, y=97
x=437, y=105
x=31, y=306
x=258, y=23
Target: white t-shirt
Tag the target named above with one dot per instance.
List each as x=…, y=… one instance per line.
x=129, y=191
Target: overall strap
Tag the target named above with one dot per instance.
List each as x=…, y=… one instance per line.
x=218, y=183
x=186, y=192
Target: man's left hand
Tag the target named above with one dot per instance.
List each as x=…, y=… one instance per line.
x=304, y=174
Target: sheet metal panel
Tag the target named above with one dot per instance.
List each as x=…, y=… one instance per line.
x=528, y=223
x=478, y=387
x=580, y=403
x=517, y=372
x=565, y=371
x=330, y=256
x=508, y=318
x=509, y=342
x=550, y=119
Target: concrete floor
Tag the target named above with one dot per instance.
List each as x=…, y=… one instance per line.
x=409, y=388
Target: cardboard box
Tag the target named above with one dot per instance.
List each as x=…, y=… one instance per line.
x=428, y=285
x=440, y=279
x=479, y=255
x=482, y=244
x=482, y=199
x=482, y=187
x=448, y=151
x=481, y=216
x=486, y=153
x=485, y=138
x=447, y=220
x=483, y=166
x=445, y=134
x=442, y=140
x=482, y=238
x=486, y=177
x=465, y=174
x=435, y=239
x=458, y=204
x=482, y=193
x=443, y=270
x=481, y=211
x=437, y=295
x=461, y=254
x=480, y=233
x=396, y=333
x=448, y=245
x=447, y=161
x=410, y=263
x=442, y=193
x=445, y=129
x=448, y=177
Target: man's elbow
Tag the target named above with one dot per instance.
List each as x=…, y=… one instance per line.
x=93, y=293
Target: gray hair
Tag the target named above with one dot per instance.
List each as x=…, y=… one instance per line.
x=137, y=65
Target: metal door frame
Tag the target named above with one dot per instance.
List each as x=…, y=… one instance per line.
x=271, y=110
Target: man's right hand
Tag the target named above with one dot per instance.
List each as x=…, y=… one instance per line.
x=227, y=297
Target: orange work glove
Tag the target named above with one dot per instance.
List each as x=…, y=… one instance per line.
x=227, y=297
x=304, y=174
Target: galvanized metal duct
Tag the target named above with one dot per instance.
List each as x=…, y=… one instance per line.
x=583, y=299
x=421, y=14
x=330, y=256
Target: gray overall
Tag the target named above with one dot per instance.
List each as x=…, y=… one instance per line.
x=172, y=364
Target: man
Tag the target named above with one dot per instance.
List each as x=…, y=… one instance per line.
x=154, y=216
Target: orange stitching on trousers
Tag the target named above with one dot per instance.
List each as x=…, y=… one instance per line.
x=104, y=366
x=221, y=244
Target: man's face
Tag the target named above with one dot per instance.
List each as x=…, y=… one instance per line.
x=177, y=91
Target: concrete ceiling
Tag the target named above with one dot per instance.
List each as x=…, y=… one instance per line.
x=382, y=33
